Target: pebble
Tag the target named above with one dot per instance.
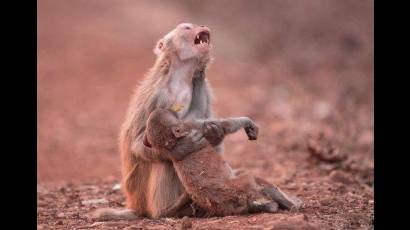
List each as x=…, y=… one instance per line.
x=116, y=187
x=339, y=176
x=95, y=224
x=95, y=201
x=186, y=223
x=326, y=201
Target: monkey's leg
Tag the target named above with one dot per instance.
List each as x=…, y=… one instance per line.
x=277, y=195
x=177, y=207
x=263, y=205
x=107, y=214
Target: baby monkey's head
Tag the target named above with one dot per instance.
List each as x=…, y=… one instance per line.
x=163, y=129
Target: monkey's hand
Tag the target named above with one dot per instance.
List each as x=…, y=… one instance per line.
x=190, y=143
x=251, y=129
x=213, y=132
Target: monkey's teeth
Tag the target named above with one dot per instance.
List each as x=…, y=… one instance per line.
x=200, y=42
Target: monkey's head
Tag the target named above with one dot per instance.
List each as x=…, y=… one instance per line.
x=186, y=41
x=163, y=129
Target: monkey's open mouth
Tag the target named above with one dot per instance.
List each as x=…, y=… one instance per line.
x=202, y=37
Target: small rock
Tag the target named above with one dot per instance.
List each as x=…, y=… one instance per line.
x=324, y=149
x=62, y=190
x=298, y=222
x=60, y=222
x=116, y=187
x=95, y=201
x=73, y=196
x=292, y=186
x=326, y=201
x=60, y=215
x=340, y=176
x=186, y=223
x=367, y=137
x=41, y=189
x=95, y=224
x=133, y=227
x=327, y=167
x=322, y=109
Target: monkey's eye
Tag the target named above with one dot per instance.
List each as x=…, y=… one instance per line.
x=187, y=27
x=177, y=130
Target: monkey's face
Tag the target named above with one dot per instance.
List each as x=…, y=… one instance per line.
x=163, y=129
x=187, y=41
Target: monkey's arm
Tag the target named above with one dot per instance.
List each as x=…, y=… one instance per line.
x=231, y=125
x=192, y=142
x=147, y=153
x=226, y=126
x=211, y=130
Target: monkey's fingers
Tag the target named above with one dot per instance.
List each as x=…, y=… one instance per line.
x=198, y=140
x=217, y=129
x=256, y=130
x=251, y=133
x=252, y=136
x=210, y=126
x=195, y=136
x=213, y=132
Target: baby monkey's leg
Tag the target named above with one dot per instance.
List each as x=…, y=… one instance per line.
x=263, y=205
x=257, y=202
x=277, y=195
x=177, y=209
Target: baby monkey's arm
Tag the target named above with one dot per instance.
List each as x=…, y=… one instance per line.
x=231, y=125
x=228, y=126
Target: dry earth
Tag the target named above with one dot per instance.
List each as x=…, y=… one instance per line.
x=303, y=70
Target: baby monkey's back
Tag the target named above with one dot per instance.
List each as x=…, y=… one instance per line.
x=205, y=175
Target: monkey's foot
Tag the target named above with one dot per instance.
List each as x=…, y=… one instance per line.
x=283, y=200
x=263, y=205
x=107, y=214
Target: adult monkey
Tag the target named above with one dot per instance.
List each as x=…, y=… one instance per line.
x=177, y=80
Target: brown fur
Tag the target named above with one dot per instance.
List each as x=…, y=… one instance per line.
x=204, y=174
x=150, y=182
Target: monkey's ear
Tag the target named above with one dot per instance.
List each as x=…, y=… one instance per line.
x=159, y=47
x=146, y=142
x=178, y=131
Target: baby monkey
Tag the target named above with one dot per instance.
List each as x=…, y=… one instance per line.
x=207, y=178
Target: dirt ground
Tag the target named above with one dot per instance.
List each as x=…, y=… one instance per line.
x=302, y=70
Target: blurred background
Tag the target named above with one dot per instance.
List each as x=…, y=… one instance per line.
x=299, y=68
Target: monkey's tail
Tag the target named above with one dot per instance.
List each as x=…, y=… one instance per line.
x=106, y=214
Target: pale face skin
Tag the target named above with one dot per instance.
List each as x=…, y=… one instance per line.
x=187, y=41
